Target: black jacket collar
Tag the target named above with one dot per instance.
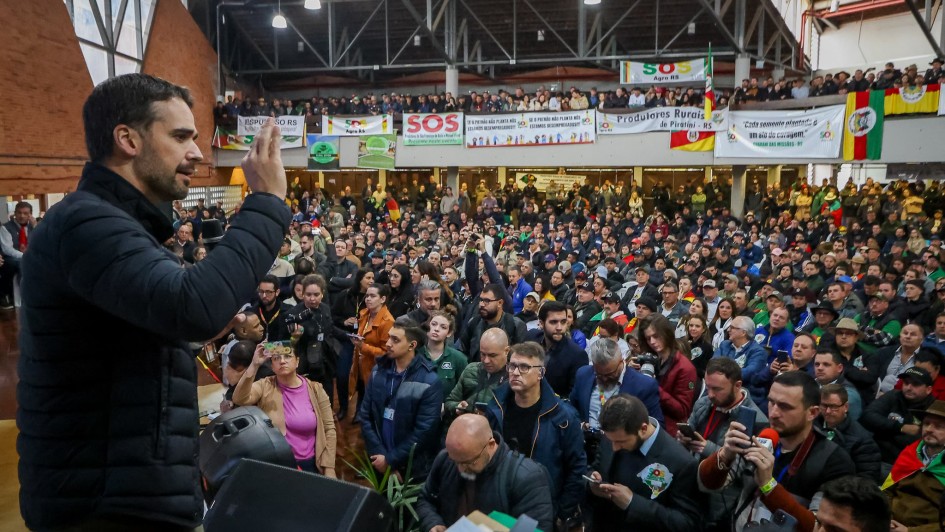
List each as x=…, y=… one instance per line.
x=111, y=187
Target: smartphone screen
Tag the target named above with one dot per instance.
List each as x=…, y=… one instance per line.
x=686, y=429
x=746, y=417
x=782, y=356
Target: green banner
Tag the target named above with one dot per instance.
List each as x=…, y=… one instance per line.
x=323, y=152
x=377, y=151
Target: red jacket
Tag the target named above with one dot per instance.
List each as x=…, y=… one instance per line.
x=677, y=392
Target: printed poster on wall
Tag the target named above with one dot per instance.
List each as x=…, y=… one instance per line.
x=546, y=182
x=352, y=126
x=289, y=125
x=808, y=134
x=229, y=139
x=530, y=129
x=323, y=152
x=636, y=73
x=377, y=151
x=660, y=119
x=429, y=129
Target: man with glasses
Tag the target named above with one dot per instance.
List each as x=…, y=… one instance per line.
x=478, y=471
x=270, y=310
x=672, y=308
x=491, y=315
x=842, y=429
x=750, y=356
x=536, y=423
x=564, y=355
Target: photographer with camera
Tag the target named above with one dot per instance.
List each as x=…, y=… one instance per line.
x=310, y=326
x=662, y=360
x=788, y=476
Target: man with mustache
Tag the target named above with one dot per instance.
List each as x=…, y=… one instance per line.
x=108, y=420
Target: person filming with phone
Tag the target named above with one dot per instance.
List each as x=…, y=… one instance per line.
x=783, y=470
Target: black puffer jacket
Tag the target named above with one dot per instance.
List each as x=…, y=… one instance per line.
x=107, y=392
x=859, y=444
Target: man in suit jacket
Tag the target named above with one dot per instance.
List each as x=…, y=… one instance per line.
x=21, y=226
x=647, y=480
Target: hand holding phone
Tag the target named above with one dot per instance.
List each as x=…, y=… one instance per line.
x=686, y=430
x=783, y=356
x=591, y=480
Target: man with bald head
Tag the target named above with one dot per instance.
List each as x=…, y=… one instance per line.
x=478, y=471
x=479, y=378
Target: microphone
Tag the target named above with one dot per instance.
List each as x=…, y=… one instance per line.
x=767, y=438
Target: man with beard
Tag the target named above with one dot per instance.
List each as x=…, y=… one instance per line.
x=271, y=312
x=915, y=485
x=563, y=356
x=140, y=135
x=491, y=315
x=789, y=477
x=836, y=423
x=478, y=471
x=891, y=418
x=710, y=420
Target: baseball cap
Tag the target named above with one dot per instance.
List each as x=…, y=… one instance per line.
x=776, y=295
x=586, y=285
x=917, y=375
x=610, y=259
x=564, y=266
x=551, y=257
x=845, y=279
x=777, y=251
x=559, y=240
x=611, y=297
x=533, y=295
x=708, y=283
x=879, y=295
x=803, y=292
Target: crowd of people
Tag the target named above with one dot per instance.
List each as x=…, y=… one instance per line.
x=545, y=99
x=575, y=357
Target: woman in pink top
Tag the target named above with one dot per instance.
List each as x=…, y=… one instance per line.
x=298, y=407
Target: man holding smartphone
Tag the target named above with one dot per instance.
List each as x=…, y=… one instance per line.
x=789, y=477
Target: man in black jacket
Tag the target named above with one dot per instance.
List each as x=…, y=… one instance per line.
x=478, y=471
x=564, y=357
x=847, y=432
x=891, y=418
x=108, y=430
x=491, y=314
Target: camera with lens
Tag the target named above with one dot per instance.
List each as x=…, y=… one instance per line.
x=649, y=364
x=296, y=319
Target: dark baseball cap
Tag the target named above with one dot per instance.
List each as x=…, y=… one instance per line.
x=611, y=297
x=586, y=285
x=917, y=375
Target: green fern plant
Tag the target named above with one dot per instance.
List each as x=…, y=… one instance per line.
x=402, y=495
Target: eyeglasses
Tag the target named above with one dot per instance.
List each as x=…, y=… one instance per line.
x=265, y=292
x=832, y=407
x=487, y=301
x=470, y=463
x=523, y=369
x=668, y=292
x=611, y=374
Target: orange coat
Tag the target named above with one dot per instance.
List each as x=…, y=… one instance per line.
x=375, y=335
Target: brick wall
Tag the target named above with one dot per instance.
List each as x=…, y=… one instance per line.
x=45, y=82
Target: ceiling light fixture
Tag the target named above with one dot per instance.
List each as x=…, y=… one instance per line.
x=591, y=2
x=313, y=4
x=834, y=6
x=541, y=35
x=416, y=40
x=278, y=21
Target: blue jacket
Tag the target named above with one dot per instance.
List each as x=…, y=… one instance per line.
x=562, y=362
x=752, y=358
x=416, y=406
x=518, y=295
x=634, y=383
x=558, y=444
x=782, y=340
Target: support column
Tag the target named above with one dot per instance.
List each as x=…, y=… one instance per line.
x=774, y=176
x=777, y=74
x=502, y=175
x=742, y=69
x=321, y=180
x=708, y=175
x=452, y=81
x=382, y=179
x=452, y=178
x=436, y=175
x=739, y=175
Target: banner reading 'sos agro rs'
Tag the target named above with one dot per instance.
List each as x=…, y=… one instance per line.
x=808, y=134
x=530, y=129
x=636, y=73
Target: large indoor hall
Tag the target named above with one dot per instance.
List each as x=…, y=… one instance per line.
x=472, y=265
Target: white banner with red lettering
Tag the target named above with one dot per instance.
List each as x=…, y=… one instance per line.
x=530, y=129
x=429, y=129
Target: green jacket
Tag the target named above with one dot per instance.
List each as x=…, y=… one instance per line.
x=474, y=386
x=449, y=366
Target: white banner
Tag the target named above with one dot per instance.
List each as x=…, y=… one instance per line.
x=354, y=126
x=433, y=128
x=660, y=119
x=809, y=134
x=941, y=101
x=291, y=125
x=548, y=182
x=530, y=129
x=634, y=73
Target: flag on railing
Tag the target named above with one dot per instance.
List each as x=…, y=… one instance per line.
x=908, y=100
x=709, y=99
x=691, y=140
x=863, y=138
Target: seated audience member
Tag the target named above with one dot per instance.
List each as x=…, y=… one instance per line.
x=842, y=429
x=674, y=372
x=916, y=483
x=298, y=407
x=536, y=423
x=829, y=369
x=930, y=360
x=862, y=369
x=402, y=402
x=647, y=480
x=891, y=418
x=478, y=471
x=790, y=477
x=894, y=360
x=750, y=356
x=853, y=504
x=710, y=420
x=801, y=358
x=479, y=379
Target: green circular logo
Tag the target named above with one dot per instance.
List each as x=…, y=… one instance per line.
x=323, y=152
x=376, y=145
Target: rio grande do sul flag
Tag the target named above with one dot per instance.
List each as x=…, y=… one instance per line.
x=863, y=138
x=908, y=100
x=690, y=140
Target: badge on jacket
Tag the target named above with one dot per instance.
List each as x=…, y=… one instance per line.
x=657, y=477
